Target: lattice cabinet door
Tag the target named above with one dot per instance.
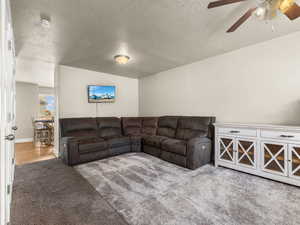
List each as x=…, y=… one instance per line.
x=246, y=153
x=294, y=161
x=274, y=158
x=226, y=149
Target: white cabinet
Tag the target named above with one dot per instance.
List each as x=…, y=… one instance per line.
x=246, y=151
x=237, y=151
x=226, y=149
x=265, y=150
x=274, y=157
x=294, y=161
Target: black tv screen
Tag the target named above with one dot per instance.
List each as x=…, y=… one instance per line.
x=99, y=94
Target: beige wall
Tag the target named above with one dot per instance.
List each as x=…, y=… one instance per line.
x=73, y=100
x=46, y=90
x=256, y=84
x=35, y=71
x=26, y=109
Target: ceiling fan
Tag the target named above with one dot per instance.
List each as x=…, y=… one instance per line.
x=266, y=9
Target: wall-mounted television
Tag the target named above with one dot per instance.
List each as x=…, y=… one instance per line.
x=100, y=94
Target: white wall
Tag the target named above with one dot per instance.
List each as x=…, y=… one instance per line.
x=33, y=71
x=256, y=84
x=27, y=103
x=73, y=100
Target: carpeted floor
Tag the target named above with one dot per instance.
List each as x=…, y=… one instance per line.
x=146, y=190
x=50, y=193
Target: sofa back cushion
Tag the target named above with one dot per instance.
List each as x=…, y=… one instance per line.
x=167, y=126
x=109, y=127
x=78, y=127
x=149, y=125
x=132, y=126
x=191, y=127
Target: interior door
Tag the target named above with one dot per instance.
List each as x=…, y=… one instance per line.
x=226, y=149
x=294, y=161
x=7, y=93
x=274, y=158
x=246, y=153
x=10, y=116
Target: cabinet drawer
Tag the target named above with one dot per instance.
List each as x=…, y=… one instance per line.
x=282, y=135
x=237, y=131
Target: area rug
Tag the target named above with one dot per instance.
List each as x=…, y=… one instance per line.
x=50, y=193
x=148, y=191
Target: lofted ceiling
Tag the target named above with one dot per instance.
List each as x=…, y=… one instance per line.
x=158, y=35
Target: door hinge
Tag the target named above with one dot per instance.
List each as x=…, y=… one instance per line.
x=8, y=189
x=9, y=45
x=13, y=161
x=9, y=117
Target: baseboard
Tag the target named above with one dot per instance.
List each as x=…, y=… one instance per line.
x=24, y=140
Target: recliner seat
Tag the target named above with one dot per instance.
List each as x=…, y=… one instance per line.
x=185, y=141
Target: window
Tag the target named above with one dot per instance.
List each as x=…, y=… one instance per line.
x=47, y=105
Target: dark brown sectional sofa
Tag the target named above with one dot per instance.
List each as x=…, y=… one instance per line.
x=185, y=141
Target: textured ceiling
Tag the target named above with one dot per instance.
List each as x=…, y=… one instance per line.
x=157, y=34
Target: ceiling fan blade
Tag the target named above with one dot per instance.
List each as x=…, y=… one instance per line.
x=222, y=2
x=293, y=12
x=241, y=20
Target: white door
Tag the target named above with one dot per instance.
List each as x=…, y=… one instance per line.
x=7, y=93
x=274, y=157
x=294, y=161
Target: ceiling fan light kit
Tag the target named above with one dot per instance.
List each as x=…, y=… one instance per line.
x=265, y=10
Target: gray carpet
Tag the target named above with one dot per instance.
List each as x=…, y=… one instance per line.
x=146, y=190
x=50, y=193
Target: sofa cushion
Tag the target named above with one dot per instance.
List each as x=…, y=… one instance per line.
x=167, y=126
x=154, y=140
x=152, y=150
x=174, y=146
x=118, y=141
x=132, y=125
x=92, y=145
x=191, y=127
x=149, y=125
x=109, y=127
x=78, y=127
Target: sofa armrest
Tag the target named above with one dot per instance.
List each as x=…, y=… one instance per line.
x=69, y=150
x=199, y=152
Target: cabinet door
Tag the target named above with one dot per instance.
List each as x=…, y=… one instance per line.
x=294, y=161
x=246, y=153
x=226, y=149
x=274, y=158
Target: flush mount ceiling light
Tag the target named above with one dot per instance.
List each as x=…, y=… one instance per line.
x=45, y=22
x=121, y=59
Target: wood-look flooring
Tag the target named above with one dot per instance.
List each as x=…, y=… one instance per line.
x=28, y=153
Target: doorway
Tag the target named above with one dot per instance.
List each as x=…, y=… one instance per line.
x=35, y=113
